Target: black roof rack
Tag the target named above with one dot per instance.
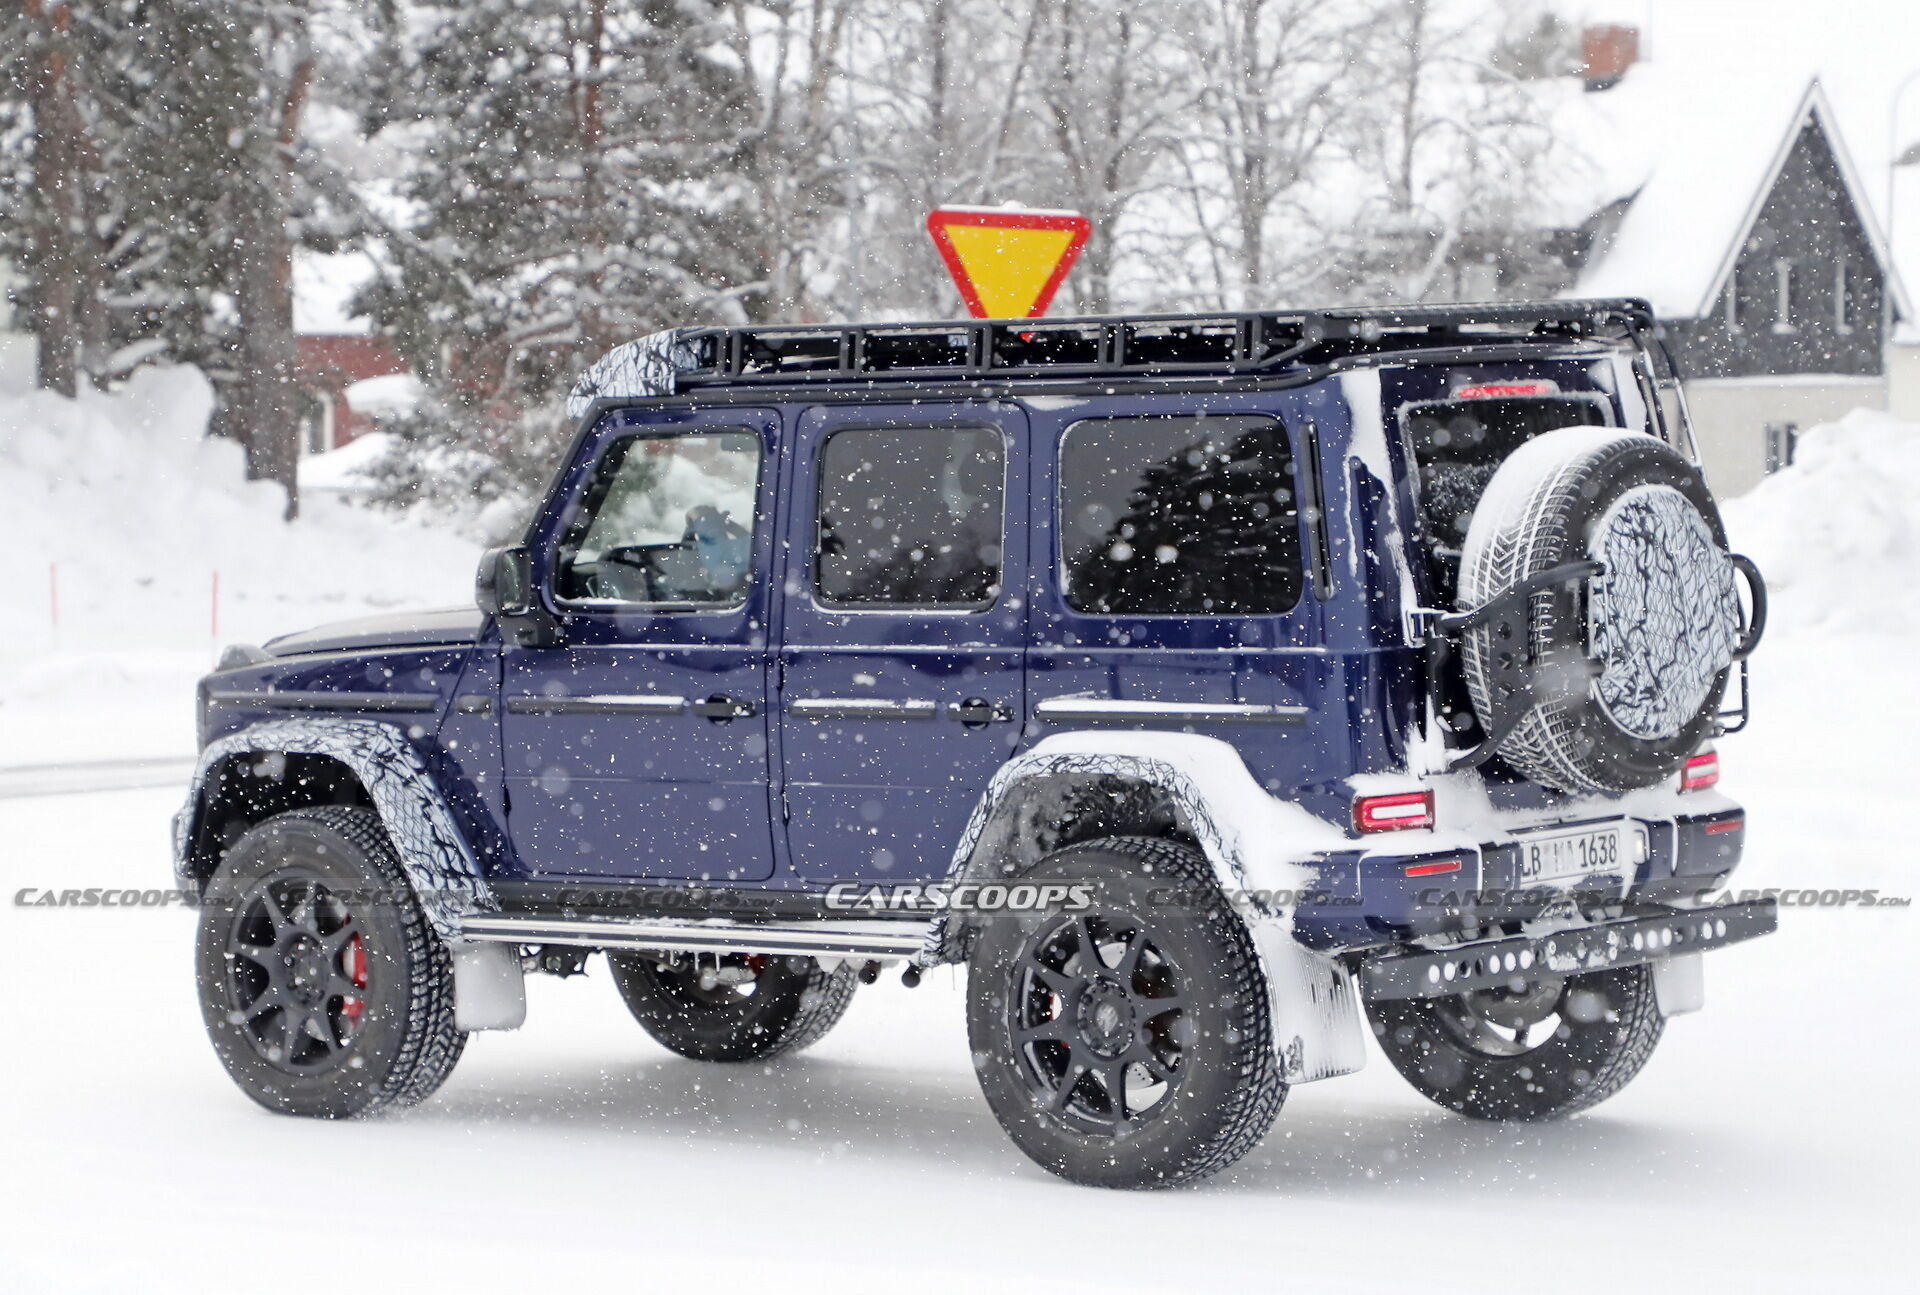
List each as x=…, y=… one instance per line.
x=1166, y=345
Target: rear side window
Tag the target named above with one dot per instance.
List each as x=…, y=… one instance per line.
x=1459, y=445
x=1179, y=517
x=910, y=516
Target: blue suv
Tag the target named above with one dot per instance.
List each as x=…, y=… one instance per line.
x=1206, y=684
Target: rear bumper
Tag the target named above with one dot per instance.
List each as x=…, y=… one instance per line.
x=1622, y=942
x=1375, y=895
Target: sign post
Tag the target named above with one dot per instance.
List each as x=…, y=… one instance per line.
x=1007, y=263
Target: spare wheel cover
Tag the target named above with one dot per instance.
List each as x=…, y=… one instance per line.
x=1628, y=675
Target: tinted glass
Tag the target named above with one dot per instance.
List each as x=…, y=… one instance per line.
x=668, y=520
x=1179, y=516
x=910, y=516
x=1459, y=444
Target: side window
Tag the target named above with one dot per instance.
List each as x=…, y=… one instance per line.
x=1179, y=517
x=666, y=521
x=910, y=516
x=1457, y=447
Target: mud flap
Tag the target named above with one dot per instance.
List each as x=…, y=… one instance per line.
x=489, y=988
x=1680, y=984
x=1316, y=1009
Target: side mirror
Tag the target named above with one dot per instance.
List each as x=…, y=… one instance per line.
x=503, y=586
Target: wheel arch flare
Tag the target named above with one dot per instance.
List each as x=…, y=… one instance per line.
x=438, y=860
x=1078, y=785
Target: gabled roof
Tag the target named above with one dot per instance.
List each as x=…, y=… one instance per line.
x=1714, y=154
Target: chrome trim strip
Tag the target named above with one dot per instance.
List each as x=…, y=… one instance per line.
x=596, y=705
x=860, y=708
x=1094, y=710
x=849, y=939
x=316, y=700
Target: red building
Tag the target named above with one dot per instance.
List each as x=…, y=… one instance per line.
x=329, y=364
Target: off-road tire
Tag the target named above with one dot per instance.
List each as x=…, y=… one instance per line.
x=405, y=1043
x=1538, y=513
x=1230, y=1087
x=793, y=1005
x=1581, y=1064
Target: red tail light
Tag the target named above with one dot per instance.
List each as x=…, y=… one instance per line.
x=1393, y=813
x=1700, y=771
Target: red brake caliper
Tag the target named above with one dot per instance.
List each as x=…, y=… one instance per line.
x=353, y=960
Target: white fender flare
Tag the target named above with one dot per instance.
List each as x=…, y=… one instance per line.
x=1253, y=843
x=433, y=852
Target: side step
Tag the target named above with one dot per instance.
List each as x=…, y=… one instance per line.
x=843, y=939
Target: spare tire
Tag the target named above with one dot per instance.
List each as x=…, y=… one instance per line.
x=1619, y=678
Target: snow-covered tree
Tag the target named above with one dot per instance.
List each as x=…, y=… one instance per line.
x=1111, y=93
x=54, y=197
x=1274, y=78
x=1451, y=154
x=588, y=172
x=166, y=189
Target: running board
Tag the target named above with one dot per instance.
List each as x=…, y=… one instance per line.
x=848, y=939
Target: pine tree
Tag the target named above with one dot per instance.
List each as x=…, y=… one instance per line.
x=588, y=172
x=165, y=191
x=48, y=65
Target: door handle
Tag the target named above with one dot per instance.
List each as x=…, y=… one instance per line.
x=860, y=708
x=720, y=708
x=975, y=711
x=596, y=705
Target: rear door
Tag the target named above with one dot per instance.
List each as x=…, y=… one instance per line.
x=900, y=668
x=1176, y=595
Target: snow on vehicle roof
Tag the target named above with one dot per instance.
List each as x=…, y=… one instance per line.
x=1693, y=157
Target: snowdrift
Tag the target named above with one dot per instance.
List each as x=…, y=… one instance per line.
x=135, y=547
x=1837, y=534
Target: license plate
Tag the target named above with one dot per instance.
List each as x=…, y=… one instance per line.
x=1573, y=854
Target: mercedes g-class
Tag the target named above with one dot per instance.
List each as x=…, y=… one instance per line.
x=1207, y=685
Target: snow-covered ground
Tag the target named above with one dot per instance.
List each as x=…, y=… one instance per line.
x=1769, y=1145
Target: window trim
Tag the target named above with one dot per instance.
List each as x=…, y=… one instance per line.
x=1307, y=543
x=1783, y=296
x=1843, y=294
x=835, y=607
x=617, y=606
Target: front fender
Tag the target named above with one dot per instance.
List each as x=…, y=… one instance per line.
x=1253, y=843
x=436, y=857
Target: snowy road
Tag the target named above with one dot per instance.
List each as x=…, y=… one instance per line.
x=1768, y=1146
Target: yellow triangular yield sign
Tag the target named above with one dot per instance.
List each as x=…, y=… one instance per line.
x=1007, y=264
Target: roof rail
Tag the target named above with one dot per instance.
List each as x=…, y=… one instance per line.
x=1226, y=343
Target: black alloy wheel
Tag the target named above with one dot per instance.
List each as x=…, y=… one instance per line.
x=1099, y=1022
x=297, y=972
x=1126, y=1041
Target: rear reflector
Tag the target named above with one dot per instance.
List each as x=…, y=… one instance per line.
x=1725, y=825
x=1500, y=390
x=1432, y=869
x=1702, y=770
x=1393, y=813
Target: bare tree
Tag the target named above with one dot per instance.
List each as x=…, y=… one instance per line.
x=1451, y=152
x=1275, y=76
x=936, y=107
x=1110, y=94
